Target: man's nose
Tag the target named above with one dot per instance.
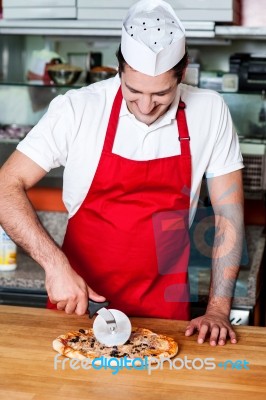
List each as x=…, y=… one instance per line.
x=145, y=104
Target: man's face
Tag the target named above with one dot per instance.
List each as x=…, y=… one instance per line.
x=148, y=97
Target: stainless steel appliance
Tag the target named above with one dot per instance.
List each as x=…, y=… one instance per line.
x=251, y=70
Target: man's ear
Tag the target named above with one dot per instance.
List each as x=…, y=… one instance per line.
x=185, y=69
x=184, y=73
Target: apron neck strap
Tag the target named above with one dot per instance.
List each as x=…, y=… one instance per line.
x=184, y=137
x=113, y=122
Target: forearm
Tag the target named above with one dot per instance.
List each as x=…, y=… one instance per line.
x=226, y=194
x=226, y=257
x=20, y=221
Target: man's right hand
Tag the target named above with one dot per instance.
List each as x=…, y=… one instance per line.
x=69, y=291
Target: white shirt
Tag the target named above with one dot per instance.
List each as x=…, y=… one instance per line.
x=72, y=134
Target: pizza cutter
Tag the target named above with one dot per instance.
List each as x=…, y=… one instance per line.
x=111, y=327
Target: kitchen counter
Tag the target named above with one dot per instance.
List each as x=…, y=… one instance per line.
x=28, y=366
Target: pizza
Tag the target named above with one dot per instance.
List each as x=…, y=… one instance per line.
x=141, y=344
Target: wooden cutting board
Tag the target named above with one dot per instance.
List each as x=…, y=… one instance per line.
x=27, y=369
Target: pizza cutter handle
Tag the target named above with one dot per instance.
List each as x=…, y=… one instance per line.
x=95, y=306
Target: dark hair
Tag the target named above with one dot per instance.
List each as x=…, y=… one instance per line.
x=178, y=68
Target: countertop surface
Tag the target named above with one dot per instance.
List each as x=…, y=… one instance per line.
x=29, y=371
x=29, y=275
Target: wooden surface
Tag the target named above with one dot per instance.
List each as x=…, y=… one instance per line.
x=27, y=364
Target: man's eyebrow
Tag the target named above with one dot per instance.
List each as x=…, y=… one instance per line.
x=161, y=92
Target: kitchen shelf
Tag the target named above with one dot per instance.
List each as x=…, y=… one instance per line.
x=9, y=141
x=90, y=28
x=41, y=84
x=240, y=32
x=55, y=27
x=78, y=85
x=98, y=29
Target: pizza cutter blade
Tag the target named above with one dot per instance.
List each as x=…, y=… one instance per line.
x=111, y=327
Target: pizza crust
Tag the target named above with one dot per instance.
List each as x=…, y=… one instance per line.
x=67, y=351
x=142, y=343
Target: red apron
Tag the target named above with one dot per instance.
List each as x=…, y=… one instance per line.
x=129, y=239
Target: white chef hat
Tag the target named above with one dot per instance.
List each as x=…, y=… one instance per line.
x=153, y=38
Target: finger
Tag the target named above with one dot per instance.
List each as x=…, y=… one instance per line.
x=61, y=305
x=215, y=330
x=70, y=307
x=232, y=336
x=223, y=335
x=203, y=332
x=95, y=296
x=190, y=330
x=82, y=306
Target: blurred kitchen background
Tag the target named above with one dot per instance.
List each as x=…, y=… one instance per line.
x=227, y=48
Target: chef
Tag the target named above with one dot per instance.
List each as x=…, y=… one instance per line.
x=135, y=148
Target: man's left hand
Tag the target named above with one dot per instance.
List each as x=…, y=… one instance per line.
x=218, y=326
